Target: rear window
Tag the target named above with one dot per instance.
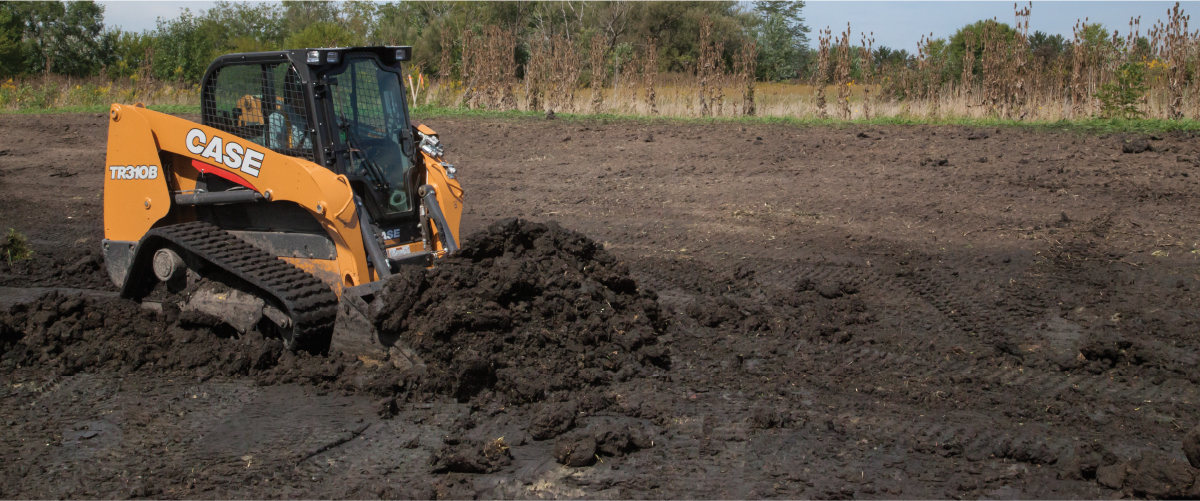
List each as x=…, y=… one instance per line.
x=261, y=103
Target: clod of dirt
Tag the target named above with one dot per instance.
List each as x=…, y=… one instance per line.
x=577, y=451
x=553, y=420
x=1135, y=145
x=647, y=137
x=830, y=290
x=619, y=439
x=1156, y=475
x=765, y=417
x=387, y=408
x=1110, y=348
x=1026, y=450
x=977, y=134
x=1191, y=446
x=472, y=456
x=935, y=161
x=1111, y=476
x=524, y=309
x=550, y=115
x=607, y=439
x=833, y=290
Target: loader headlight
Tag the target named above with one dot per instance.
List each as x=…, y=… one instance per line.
x=331, y=57
x=314, y=57
x=402, y=54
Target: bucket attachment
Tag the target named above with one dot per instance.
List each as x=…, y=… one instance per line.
x=355, y=333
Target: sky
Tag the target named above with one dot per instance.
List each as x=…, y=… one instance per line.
x=896, y=24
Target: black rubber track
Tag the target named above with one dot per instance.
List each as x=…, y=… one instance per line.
x=309, y=302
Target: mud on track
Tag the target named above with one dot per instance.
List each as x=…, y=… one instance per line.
x=860, y=312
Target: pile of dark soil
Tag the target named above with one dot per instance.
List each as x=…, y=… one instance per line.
x=71, y=334
x=57, y=268
x=525, y=309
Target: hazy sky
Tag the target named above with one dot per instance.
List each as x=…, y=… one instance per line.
x=897, y=24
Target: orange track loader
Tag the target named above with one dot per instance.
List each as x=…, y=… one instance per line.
x=304, y=185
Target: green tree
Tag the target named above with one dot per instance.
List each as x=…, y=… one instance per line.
x=129, y=52
x=184, y=47
x=1047, y=47
x=676, y=25
x=322, y=34
x=782, y=39
x=1119, y=98
x=299, y=14
x=886, y=55
x=79, y=47
x=246, y=27
x=1095, y=36
x=57, y=37
x=977, y=33
x=12, y=54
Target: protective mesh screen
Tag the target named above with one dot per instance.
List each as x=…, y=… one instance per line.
x=369, y=105
x=357, y=97
x=262, y=103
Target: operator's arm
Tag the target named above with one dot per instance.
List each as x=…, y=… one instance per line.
x=300, y=137
x=276, y=131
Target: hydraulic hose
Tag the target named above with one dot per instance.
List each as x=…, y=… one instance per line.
x=374, y=252
x=435, y=213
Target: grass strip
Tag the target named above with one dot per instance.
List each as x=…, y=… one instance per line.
x=1090, y=125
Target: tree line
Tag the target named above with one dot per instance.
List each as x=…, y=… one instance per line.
x=478, y=51
x=70, y=38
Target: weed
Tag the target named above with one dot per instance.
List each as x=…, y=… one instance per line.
x=15, y=247
x=1119, y=99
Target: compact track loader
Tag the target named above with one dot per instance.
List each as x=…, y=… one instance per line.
x=304, y=185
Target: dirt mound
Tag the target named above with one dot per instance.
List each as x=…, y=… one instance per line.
x=525, y=309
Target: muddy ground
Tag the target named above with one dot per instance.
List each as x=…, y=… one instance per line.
x=862, y=312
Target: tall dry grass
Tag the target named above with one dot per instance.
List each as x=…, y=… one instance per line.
x=56, y=91
x=1005, y=80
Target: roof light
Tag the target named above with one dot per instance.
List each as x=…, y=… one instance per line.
x=402, y=54
x=314, y=57
x=331, y=57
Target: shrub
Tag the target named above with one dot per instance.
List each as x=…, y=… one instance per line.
x=1119, y=98
x=15, y=247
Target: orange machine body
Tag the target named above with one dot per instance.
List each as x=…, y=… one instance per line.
x=152, y=156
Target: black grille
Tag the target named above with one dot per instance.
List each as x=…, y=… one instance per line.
x=262, y=103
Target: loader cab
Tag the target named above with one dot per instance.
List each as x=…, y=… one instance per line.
x=341, y=108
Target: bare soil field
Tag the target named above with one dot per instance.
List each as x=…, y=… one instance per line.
x=703, y=311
